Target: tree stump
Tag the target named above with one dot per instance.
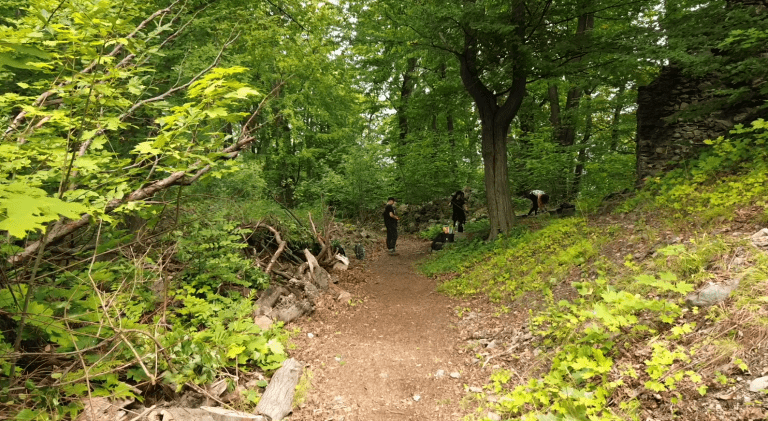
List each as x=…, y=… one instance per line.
x=277, y=401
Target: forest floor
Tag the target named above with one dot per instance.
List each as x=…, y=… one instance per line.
x=397, y=351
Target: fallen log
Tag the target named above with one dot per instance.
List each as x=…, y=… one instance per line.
x=277, y=400
x=221, y=414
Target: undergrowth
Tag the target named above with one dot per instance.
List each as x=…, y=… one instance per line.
x=628, y=332
x=518, y=263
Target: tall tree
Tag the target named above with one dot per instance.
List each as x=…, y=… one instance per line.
x=500, y=48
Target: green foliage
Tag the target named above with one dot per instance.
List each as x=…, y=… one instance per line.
x=356, y=187
x=523, y=262
x=582, y=333
x=731, y=174
x=219, y=333
x=213, y=252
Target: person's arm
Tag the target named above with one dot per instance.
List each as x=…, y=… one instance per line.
x=392, y=215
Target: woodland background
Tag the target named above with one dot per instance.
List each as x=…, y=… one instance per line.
x=157, y=157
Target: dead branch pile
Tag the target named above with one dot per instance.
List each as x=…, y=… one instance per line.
x=298, y=278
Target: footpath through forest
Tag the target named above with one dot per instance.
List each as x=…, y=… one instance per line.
x=394, y=353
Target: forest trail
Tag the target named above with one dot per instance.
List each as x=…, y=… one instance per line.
x=380, y=358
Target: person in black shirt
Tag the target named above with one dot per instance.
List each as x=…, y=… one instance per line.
x=538, y=199
x=390, y=221
x=459, y=213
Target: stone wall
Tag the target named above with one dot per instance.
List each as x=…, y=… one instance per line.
x=668, y=133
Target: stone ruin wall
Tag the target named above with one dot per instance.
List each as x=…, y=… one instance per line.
x=665, y=140
x=662, y=144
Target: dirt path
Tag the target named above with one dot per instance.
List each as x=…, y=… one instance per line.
x=380, y=358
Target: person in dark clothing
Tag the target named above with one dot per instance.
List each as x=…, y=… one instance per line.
x=459, y=212
x=390, y=221
x=538, y=199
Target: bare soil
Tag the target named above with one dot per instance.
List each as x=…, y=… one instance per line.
x=395, y=352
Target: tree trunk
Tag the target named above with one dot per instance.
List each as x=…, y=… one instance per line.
x=498, y=197
x=405, y=93
x=582, y=158
x=495, y=121
x=564, y=123
x=619, y=105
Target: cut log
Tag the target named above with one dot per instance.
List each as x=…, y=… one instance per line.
x=269, y=298
x=277, y=401
x=292, y=311
x=221, y=414
x=343, y=259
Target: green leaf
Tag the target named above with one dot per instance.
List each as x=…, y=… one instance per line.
x=29, y=208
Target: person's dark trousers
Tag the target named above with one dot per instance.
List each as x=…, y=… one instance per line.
x=534, y=209
x=459, y=224
x=391, y=234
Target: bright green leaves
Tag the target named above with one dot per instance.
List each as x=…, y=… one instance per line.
x=25, y=209
x=216, y=83
x=216, y=98
x=665, y=282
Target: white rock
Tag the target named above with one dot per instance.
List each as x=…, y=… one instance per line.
x=440, y=374
x=310, y=335
x=416, y=397
x=456, y=375
x=493, y=416
x=758, y=384
x=475, y=389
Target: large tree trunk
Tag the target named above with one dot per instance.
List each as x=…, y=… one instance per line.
x=495, y=120
x=498, y=197
x=405, y=94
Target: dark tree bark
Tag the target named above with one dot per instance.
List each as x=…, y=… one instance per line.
x=405, y=93
x=495, y=120
x=564, y=123
x=619, y=105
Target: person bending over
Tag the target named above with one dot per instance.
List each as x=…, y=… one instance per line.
x=538, y=199
x=390, y=221
x=459, y=211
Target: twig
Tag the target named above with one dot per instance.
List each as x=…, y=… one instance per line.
x=146, y=411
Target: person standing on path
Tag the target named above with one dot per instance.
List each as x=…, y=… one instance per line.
x=458, y=204
x=390, y=221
